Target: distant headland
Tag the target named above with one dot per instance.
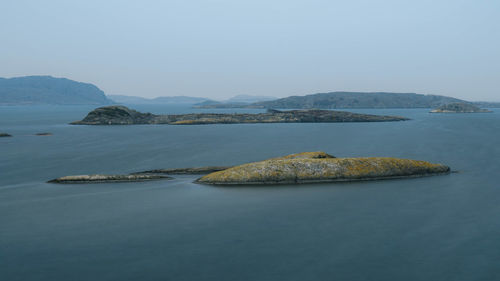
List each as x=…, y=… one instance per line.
x=121, y=115
x=31, y=90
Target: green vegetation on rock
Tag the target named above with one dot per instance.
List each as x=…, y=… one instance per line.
x=291, y=169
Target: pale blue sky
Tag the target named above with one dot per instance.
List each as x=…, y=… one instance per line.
x=219, y=48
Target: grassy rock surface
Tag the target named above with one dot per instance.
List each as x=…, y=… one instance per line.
x=308, y=170
x=106, y=178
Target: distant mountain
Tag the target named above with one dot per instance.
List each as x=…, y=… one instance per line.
x=248, y=99
x=159, y=100
x=49, y=90
x=239, y=101
x=358, y=100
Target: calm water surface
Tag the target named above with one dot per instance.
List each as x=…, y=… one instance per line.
x=435, y=228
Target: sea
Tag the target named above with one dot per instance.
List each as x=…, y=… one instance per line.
x=432, y=228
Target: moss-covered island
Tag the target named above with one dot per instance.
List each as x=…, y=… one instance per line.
x=121, y=115
x=459, y=107
x=315, y=167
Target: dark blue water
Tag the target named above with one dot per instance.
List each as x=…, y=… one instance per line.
x=435, y=228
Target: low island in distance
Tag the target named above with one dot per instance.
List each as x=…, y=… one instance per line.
x=121, y=115
x=459, y=107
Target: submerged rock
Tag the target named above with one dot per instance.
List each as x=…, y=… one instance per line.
x=309, y=170
x=107, y=178
x=121, y=115
x=459, y=108
x=43, y=134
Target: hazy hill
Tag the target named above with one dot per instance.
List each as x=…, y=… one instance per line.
x=487, y=104
x=359, y=100
x=49, y=90
x=248, y=99
x=159, y=100
x=239, y=101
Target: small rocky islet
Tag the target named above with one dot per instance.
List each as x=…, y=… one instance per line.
x=121, y=115
x=314, y=167
x=306, y=167
x=5, y=135
x=459, y=107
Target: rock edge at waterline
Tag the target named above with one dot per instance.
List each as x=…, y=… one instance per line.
x=107, y=178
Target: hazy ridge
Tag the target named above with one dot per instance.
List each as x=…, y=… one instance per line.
x=49, y=90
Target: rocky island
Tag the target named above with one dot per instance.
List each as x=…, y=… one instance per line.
x=5, y=135
x=459, y=107
x=313, y=167
x=305, y=167
x=121, y=115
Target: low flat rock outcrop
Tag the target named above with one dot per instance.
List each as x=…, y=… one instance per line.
x=186, y=171
x=121, y=115
x=459, y=108
x=2, y=135
x=293, y=170
x=107, y=178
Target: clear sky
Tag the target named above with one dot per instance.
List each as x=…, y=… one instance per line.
x=221, y=48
